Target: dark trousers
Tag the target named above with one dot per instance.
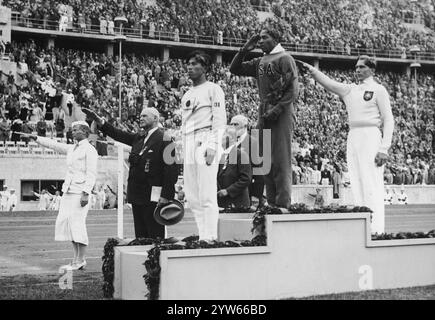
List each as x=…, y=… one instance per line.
x=144, y=224
x=256, y=188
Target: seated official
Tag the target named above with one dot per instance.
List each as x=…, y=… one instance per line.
x=251, y=147
x=234, y=174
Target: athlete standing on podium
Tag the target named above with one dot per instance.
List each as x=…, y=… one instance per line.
x=203, y=123
x=371, y=126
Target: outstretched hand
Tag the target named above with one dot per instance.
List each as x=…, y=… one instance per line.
x=305, y=67
x=27, y=135
x=92, y=115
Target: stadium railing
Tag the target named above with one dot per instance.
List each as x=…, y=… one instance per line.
x=144, y=33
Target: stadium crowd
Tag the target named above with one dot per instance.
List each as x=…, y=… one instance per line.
x=346, y=25
x=340, y=26
x=49, y=79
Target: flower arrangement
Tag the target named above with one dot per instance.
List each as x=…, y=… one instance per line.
x=152, y=263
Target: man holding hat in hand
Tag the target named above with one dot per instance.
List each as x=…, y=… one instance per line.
x=153, y=171
x=81, y=160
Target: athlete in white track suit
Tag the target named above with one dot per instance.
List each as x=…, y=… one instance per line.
x=203, y=123
x=371, y=127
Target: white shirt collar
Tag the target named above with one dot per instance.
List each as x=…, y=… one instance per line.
x=82, y=142
x=368, y=80
x=278, y=49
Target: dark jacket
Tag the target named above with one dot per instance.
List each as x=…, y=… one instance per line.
x=235, y=175
x=147, y=168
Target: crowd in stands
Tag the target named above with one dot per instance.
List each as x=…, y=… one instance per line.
x=340, y=26
x=57, y=77
x=345, y=25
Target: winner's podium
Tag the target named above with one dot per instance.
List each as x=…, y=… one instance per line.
x=306, y=254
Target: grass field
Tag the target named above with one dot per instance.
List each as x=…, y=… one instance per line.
x=88, y=286
x=85, y=286
x=29, y=257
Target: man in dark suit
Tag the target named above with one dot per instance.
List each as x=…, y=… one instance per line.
x=251, y=147
x=152, y=168
x=234, y=174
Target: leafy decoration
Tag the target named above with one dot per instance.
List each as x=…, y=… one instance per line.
x=152, y=264
x=108, y=267
x=403, y=235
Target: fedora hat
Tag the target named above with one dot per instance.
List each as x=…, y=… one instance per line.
x=170, y=213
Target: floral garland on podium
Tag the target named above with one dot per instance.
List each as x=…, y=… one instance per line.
x=152, y=264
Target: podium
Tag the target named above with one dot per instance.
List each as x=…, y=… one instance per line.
x=306, y=254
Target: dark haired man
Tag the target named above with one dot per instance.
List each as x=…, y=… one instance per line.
x=203, y=122
x=277, y=77
x=371, y=126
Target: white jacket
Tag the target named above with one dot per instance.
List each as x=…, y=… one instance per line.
x=81, y=164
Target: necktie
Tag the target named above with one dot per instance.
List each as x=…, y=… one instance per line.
x=144, y=142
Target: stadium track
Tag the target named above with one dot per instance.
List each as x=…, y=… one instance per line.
x=28, y=247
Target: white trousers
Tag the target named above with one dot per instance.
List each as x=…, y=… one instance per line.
x=200, y=185
x=367, y=179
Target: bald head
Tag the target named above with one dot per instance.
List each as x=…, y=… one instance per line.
x=240, y=123
x=229, y=137
x=149, y=118
x=151, y=111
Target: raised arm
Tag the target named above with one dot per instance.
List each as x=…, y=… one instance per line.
x=52, y=144
x=340, y=89
x=248, y=68
x=117, y=134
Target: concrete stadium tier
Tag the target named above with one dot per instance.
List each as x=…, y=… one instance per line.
x=305, y=255
x=14, y=170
